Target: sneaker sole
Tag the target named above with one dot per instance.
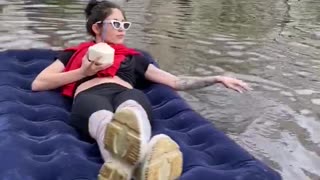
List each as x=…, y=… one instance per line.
x=164, y=162
x=111, y=172
x=122, y=137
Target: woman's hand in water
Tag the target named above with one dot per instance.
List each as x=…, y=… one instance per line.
x=233, y=83
x=91, y=67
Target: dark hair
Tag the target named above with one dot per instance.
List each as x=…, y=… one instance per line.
x=98, y=11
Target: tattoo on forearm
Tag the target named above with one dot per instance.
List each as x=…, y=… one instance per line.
x=188, y=83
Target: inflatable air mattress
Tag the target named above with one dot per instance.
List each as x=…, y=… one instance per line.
x=37, y=142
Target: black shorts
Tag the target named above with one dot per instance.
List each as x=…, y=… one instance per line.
x=106, y=96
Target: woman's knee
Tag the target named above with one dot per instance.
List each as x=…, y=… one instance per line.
x=86, y=104
x=135, y=99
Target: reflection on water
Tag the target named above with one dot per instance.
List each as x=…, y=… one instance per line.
x=274, y=45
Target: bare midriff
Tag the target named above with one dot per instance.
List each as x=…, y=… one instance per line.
x=102, y=80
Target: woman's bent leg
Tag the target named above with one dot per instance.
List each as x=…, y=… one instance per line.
x=90, y=114
x=128, y=134
x=94, y=113
x=98, y=122
x=162, y=159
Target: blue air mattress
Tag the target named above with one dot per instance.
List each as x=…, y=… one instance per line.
x=36, y=142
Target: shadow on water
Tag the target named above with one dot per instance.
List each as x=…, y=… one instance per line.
x=273, y=45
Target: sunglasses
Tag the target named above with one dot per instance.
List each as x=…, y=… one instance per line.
x=117, y=24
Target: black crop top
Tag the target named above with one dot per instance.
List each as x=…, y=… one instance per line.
x=131, y=70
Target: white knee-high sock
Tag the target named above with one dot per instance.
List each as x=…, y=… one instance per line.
x=98, y=122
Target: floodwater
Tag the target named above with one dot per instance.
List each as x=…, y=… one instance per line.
x=273, y=45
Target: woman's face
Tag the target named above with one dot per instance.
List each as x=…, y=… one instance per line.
x=113, y=30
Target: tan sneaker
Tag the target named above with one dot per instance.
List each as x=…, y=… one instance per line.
x=124, y=137
x=163, y=160
x=126, y=140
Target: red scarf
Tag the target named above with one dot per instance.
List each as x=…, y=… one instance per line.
x=121, y=51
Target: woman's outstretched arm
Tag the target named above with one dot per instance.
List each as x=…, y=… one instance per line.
x=182, y=83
